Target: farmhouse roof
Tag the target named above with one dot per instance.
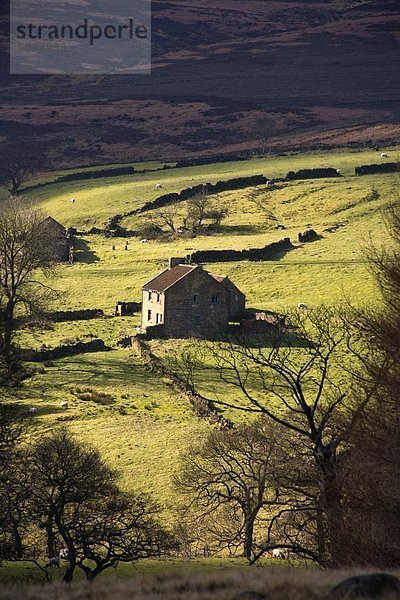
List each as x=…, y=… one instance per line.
x=168, y=278
x=219, y=278
x=49, y=220
x=226, y=282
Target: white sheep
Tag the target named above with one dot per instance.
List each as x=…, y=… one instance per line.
x=278, y=553
x=72, y=200
x=143, y=241
x=158, y=186
x=32, y=410
x=302, y=305
x=384, y=155
x=64, y=404
x=64, y=553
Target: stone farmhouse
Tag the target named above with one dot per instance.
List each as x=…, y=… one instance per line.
x=186, y=301
x=60, y=238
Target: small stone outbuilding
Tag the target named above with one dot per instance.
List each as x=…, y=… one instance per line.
x=60, y=238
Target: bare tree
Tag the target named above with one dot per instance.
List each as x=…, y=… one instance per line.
x=121, y=528
x=15, y=520
x=264, y=128
x=217, y=215
x=197, y=208
x=12, y=429
x=371, y=478
x=382, y=324
x=25, y=250
x=167, y=217
x=301, y=380
x=74, y=497
x=20, y=161
x=231, y=477
x=64, y=475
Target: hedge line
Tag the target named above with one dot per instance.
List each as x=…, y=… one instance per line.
x=312, y=173
x=112, y=172
x=61, y=316
x=265, y=253
x=211, y=188
x=389, y=167
x=209, y=160
x=96, y=345
x=113, y=225
x=202, y=406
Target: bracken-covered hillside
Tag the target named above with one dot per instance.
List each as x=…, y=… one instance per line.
x=307, y=73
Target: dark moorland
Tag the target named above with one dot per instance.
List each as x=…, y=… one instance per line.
x=302, y=73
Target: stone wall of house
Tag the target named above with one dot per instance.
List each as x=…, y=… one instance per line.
x=236, y=300
x=196, y=306
x=154, y=302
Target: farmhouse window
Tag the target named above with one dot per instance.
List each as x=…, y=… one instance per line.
x=149, y=295
x=214, y=299
x=196, y=320
x=195, y=297
x=149, y=315
x=158, y=297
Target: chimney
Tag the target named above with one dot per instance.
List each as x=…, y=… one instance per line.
x=173, y=262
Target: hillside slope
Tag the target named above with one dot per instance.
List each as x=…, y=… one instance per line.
x=136, y=418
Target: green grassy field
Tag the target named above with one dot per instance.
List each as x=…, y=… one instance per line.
x=28, y=572
x=97, y=200
x=143, y=424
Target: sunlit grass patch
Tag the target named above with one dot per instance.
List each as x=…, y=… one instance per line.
x=136, y=418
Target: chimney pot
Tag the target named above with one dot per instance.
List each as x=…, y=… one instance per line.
x=174, y=261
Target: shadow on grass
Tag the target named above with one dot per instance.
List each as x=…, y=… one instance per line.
x=241, y=229
x=96, y=371
x=268, y=336
x=45, y=390
x=276, y=255
x=254, y=333
x=83, y=253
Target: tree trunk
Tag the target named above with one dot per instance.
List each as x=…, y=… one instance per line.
x=92, y=574
x=8, y=326
x=51, y=550
x=19, y=551
x=332, y=505
x=69, y=571
x=14, y=186
x=331, y=496
x=248, y=537
x=321, y=541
